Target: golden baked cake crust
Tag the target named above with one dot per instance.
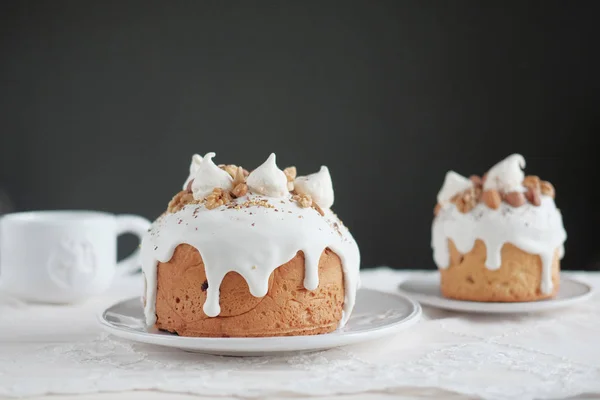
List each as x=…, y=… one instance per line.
x=518, y=278
x=287, y=309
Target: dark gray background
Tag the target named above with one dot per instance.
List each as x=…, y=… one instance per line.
x=102, y=104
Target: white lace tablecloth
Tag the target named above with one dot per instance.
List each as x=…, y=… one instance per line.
x=60, y=349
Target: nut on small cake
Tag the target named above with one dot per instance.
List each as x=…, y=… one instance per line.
x=249, y=254
x=498, y=238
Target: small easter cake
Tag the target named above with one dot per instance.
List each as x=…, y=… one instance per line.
x=498, y=238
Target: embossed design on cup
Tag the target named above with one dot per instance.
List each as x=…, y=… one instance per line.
x=73, y=264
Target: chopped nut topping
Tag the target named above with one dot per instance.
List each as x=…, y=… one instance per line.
x=547, y=189
x=515, y=199
x=303, y=200
x=533, y=196
x=239, y=176
x=463, y=204
x=240, y=190
x=290, y=174
x=231, y=169
x=532, y=181
x=217, y=198
x=319, y=209
x=179, y=201
x=250, y=203
x=492, y=199
x=478, y=192
x=476, y=179
x=467, y=200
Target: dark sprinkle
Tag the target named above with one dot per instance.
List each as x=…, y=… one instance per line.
x=155, y=247
x=204, y=286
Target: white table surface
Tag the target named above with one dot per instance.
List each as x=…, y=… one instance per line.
x=49, y=349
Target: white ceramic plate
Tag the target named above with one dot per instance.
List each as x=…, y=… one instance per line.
x=426, y=290
x=375, y=315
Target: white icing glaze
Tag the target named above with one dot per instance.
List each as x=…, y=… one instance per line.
x=318, y=186
x=536, y=230
x=507, y=176
x=252, y=241
x=453, y=184
x=208, y=176
x=194, y=165
x=268, y=179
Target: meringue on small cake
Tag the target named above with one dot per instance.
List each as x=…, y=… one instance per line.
x=498, y=238
x=249, y=254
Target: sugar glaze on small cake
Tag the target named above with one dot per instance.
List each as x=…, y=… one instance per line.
x=253, y=234
x=535, y=227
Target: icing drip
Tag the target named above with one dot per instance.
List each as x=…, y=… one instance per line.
x=208, y=176
x=535, y=230
x=453, y=184
x=318, y=186
x=268, y=179
x=253, y=242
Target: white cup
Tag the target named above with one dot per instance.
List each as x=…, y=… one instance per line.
x=63, y=256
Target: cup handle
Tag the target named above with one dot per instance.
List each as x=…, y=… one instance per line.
x=138, y=226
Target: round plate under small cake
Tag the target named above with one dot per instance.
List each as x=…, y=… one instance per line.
x=375, y=315
x=426, y=290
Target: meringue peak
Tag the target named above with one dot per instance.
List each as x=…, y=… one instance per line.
x=268, y=179
x=507, y=175
x=208, y=176
x=318, y=186
x=454, y=184
x=194, y=165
